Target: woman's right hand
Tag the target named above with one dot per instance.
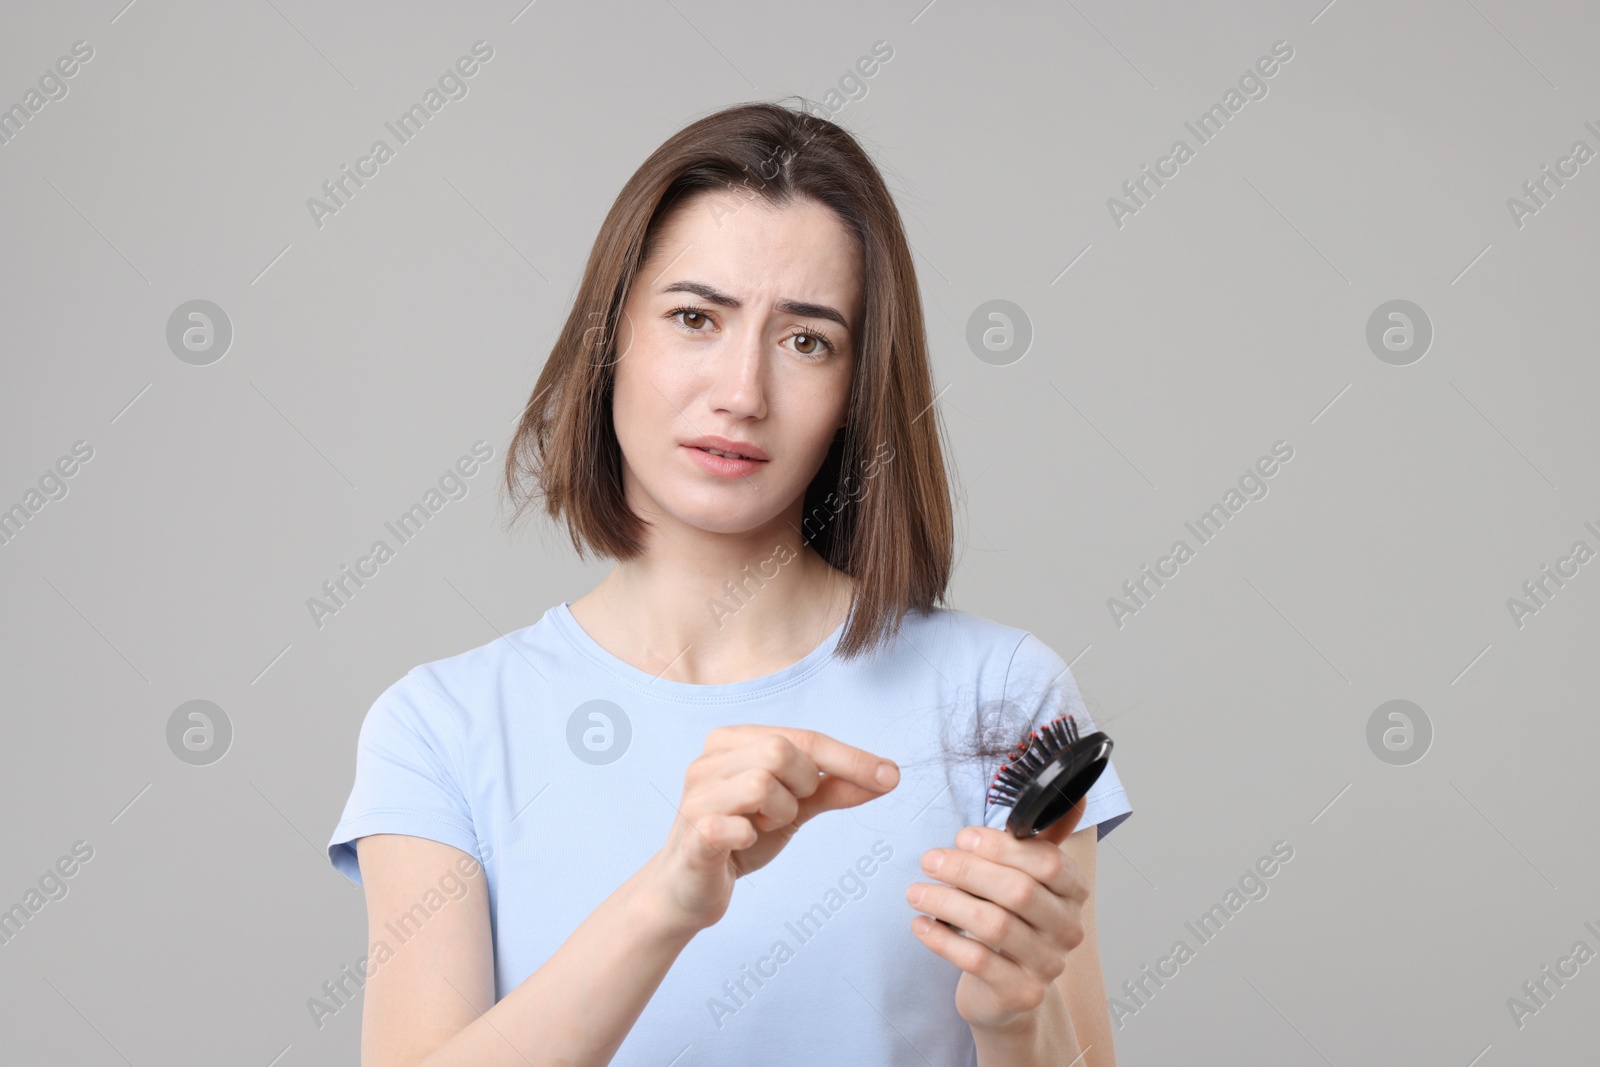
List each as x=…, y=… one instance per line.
x=743, y=798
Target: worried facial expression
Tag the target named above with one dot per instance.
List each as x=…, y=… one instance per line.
x=738, y=335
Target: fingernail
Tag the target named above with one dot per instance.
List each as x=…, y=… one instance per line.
x=967, y=839
x=886, y=774
x=933, y=861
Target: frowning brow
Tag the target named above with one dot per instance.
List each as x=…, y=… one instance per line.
x=787, y=307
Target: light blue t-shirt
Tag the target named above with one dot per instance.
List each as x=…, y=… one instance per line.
x=501, y=752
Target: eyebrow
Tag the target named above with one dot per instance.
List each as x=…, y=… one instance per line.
x=788, y=307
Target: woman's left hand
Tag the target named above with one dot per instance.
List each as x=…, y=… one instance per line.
x=1020, y=901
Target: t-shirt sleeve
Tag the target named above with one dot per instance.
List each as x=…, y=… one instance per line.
x=1040, y=684
x=407, y=775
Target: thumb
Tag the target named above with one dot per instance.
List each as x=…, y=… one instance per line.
x=1062, y=828
x=832, y=794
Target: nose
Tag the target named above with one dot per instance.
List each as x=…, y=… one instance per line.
x=738, y=388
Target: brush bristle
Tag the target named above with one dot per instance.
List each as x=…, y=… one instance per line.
x=1029, y=756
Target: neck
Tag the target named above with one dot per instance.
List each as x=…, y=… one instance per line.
x=705, y=608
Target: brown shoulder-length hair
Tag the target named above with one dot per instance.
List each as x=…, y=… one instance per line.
x=879, y=507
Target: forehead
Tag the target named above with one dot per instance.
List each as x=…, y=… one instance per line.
x=761, y=252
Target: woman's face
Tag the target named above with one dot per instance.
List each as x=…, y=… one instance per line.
x=731, y=331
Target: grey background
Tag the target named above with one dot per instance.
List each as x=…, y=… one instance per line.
x=1226, y=315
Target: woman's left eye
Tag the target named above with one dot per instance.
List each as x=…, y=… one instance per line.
x=815, y=339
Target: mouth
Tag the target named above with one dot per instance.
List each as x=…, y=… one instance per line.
x=721, y=463
x=727, y=448
x=728, y=455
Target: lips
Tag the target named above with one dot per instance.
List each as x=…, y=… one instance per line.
x=739, y=449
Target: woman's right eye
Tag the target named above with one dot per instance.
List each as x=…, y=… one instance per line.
x=699, y=317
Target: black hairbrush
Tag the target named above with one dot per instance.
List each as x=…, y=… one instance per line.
x=1046, y=775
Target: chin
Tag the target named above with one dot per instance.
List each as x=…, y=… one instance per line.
x=731, y=507
x=714, y=513
x=720, y=521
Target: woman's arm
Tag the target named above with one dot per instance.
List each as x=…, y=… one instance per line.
x=1082, y=984
x=1029, y=991
x=429, y=1004
x=744, y=798
x=1073, y=1026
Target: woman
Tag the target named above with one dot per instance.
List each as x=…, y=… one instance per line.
x=740, y=412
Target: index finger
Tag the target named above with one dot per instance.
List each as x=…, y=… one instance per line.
x=831, y=755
